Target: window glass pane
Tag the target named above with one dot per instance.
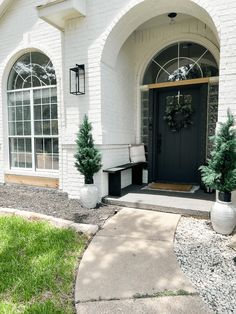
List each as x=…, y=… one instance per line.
x=46, y=127
x=48, y=145
x=37, y=96
x=19, y=128
x=39, y=145
x=19, y=114
x=26, y=113
x=53, y=95
x=12, y=128
x=19, y=73
x=28, y=147
x=55, y=145
x=46, y=112
x=20, y=152
x=18, y=99
x=21, y=145
x=43, y=153
x=54, y=124
x=28, y=160
x=26, y=98
x=181, y=61
x=47, y=153
x=54, y=111
x=27, y=128
x=36, y=79
x=45, y=96
x=55, y=162
x=37, y=112
x=11, y=114
x=27, y=83
x=48, y=161
x=13, y=145
x=14, y=160
x=38, y=127
x=11, y=99
x=31, y=70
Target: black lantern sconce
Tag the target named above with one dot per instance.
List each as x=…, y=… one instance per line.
x=77, y=80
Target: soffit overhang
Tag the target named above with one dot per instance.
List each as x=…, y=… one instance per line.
x=57, y=12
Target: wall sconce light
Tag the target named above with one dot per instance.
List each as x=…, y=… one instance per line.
x=77, y=80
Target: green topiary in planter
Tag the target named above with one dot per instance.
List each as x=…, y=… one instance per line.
x=88, y=162
x=88, y=158
x=220, y=171
x=220, y=174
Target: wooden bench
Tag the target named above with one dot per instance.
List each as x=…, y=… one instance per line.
x=114, y=176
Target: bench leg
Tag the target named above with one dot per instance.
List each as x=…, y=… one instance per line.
x=137, y=175
x=114, y=184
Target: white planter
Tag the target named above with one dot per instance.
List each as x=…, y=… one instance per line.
x=223, y=217
x=89, y=195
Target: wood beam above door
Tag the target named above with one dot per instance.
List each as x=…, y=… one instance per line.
x=204, y=80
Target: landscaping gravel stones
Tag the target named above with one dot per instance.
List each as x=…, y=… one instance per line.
x=54, y=203
x=208, y=262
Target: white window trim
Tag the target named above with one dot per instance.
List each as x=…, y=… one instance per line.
x=30, y=171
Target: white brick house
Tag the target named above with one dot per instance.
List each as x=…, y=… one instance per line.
x=121, y=44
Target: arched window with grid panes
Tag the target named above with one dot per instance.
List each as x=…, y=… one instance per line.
x=32, y=114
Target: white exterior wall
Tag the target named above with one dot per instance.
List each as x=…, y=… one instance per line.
x=22, y=31
x=115, y=56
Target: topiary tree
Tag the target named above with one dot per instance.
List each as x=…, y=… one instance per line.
x=220, y=171
x=88, y=158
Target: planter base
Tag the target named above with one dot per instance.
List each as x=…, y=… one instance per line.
x=223, y=217
x=89, y=195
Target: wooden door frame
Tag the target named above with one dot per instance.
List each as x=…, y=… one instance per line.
x=153, y=94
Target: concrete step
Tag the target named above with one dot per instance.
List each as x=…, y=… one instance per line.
x=164, y=203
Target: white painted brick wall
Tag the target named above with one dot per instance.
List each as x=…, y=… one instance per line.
x=21, y=30
x=114, y=66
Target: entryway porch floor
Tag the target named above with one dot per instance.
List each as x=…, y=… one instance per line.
x=189, y=204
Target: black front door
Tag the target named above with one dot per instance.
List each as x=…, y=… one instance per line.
x=178, y=134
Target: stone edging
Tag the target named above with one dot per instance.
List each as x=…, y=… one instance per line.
x=87, y=229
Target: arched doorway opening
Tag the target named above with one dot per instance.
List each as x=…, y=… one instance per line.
x=179, y=112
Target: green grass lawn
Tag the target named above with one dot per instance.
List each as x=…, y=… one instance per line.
x=37, y=267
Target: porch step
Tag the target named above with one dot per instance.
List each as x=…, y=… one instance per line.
x=165, y=203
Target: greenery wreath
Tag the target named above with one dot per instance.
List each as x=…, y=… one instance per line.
x=178, y=115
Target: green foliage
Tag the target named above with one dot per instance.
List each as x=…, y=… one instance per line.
x=38, y=263
x=220, y=172
x=88, y=158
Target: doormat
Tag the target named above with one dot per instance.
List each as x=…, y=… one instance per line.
x=170, y=187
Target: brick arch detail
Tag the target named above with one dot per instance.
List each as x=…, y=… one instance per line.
x=136, y=12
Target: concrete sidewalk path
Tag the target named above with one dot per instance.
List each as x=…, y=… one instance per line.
x=130, y=267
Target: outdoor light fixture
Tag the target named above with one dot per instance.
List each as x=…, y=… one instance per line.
x=172, y=17
x=77, y=80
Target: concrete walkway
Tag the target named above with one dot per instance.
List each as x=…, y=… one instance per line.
x=130, y=267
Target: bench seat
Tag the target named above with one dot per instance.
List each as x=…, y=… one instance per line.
x=114, y=176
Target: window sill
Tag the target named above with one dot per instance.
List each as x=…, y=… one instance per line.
x=43, y=174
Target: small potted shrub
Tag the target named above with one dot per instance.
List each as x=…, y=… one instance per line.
x=88, y=162
x=220, y=174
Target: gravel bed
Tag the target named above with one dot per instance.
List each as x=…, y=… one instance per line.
x=54, y=203
x=207, y=261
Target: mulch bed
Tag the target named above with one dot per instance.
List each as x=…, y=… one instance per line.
x=54, y=203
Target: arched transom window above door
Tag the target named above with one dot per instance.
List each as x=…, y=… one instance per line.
x=32, y=114
x=180, y=61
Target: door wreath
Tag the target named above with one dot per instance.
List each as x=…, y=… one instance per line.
x=178, y=112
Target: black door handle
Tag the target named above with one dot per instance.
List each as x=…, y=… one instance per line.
x=159, y=143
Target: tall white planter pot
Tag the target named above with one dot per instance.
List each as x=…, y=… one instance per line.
x=223, y=217
x=89, y=195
